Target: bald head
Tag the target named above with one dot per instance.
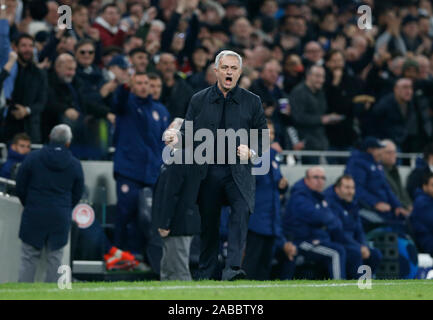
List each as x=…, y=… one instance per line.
x=315, y=178
x=389, y=153
x=65, y=67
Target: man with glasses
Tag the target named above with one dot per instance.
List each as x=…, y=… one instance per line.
x=316, y=230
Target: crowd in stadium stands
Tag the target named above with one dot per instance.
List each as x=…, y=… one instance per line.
x=324, y=83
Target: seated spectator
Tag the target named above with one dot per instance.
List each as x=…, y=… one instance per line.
x=341, y=200
x=309, y=107
x=396, y=117
x=424, y=165
x=266, y=86
x=108, y=24
x=317, y=232
x=264, y=226
x=176, y=93
x=67, y=104
x=422, y=215
x=389, y=162
x=17, y=152
x=372, y=189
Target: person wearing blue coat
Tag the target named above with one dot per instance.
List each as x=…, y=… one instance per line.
x=17, y=152
x=422, y=215
x=264, y=226
x=50, y=183
x=343, y=204
x=317, y=232
x=372, y=189
x=140, y=124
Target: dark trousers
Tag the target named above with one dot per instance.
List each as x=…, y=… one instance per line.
x=216, y=190
x=354, y=260
x=258, y=256
x=127, y=234
x=330, y=254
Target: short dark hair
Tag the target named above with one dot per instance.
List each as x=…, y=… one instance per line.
x=138, y=50
x=426, y=178
x=153, y=76
x=332, y=52
x=20, y=136
x=343, y=177
x=83, y=42
x=23, y=36
x=108, y=5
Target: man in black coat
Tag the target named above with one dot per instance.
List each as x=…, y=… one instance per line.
x=50, y=183
x=68, y=103
x=398, y=119
x=224, y=106
x=175, y=215
x=29, y=95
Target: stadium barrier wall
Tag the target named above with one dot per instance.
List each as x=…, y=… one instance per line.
x=10, y=245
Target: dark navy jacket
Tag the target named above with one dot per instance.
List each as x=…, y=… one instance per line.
x=140, y=124
x=414, y=180
x=174, y=202
x=308, y=216
x=50, y=183
x=422, y=221
x=348, y=213
x=266, y=219
x=13, y=159
x=370, y=180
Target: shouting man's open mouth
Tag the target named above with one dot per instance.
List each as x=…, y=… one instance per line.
x=228, y=81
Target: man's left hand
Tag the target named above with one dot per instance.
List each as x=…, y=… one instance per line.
x=243, y=152
x=20, y=112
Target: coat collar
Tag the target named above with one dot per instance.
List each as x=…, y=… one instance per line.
x=233, y=94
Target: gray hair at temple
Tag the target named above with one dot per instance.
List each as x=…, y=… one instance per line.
x=61, y=134
x=227, y=53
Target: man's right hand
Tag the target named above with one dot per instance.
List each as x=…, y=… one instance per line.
x=382, y=207
x=170, y=137
x=72, y=114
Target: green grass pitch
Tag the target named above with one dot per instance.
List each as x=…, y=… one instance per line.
x=218, y=290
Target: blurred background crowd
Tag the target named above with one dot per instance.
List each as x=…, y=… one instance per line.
x=323, y=81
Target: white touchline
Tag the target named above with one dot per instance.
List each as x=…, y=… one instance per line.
x=241, y=286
